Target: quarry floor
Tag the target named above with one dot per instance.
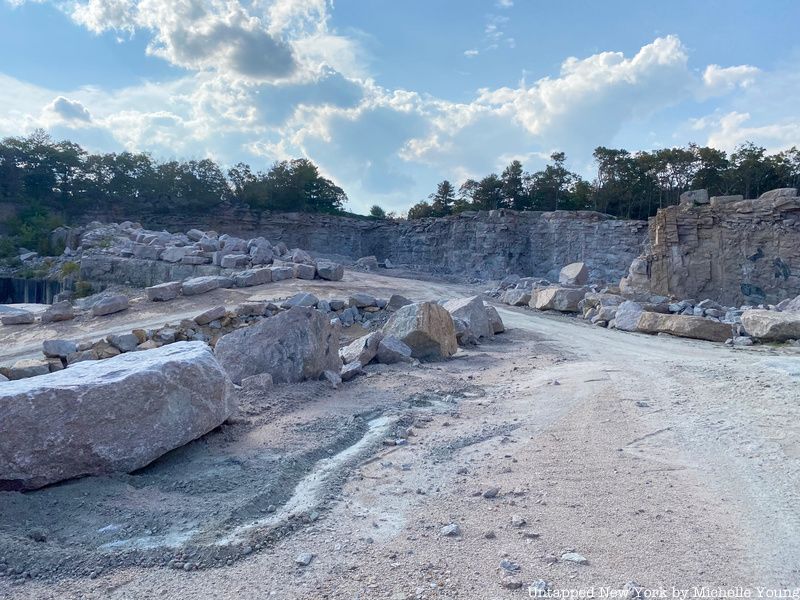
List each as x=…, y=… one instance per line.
x=662, y=461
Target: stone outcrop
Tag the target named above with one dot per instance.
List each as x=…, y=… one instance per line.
x=734, y=252
x=426, y=328
x=292, y=346
x=105, y=416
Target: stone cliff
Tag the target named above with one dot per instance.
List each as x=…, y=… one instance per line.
x=475, y=244
x=731, y=250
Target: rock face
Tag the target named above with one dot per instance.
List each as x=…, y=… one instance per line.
x=737, y=252
x=472, y=312
x=772, y=326
x=558, y=298
x=100, y=417
x=534, y=243
x=697, y=328
x=426, y=328
x=292, y=346
x=574, y=274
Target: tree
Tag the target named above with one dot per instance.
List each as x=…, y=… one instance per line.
x=377, y=212
x=514, y=193
x=420, y=210
x=443, y=199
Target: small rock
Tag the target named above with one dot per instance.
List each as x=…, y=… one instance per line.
x=452, y=530
x=304, y=559
x=575, y=558
x=491, y=492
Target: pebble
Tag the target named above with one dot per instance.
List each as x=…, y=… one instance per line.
x=508, y=565
x=538, y=588
x=518, y=521
x=491, y=492
x=510, y=583
x=452, y=530
x=575, y=557
x=304, y=559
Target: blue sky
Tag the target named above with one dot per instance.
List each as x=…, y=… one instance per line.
x=390, y=97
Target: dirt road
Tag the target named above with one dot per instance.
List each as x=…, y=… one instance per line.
x=661, y=461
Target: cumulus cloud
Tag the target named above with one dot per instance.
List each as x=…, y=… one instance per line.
x=68, y=110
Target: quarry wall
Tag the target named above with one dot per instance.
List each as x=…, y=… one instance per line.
x=474, y=244
x=735, y=252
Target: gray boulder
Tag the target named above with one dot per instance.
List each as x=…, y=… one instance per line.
x=124, y=342
x=281, y=273
x=494, y=319
x=304, y=271
x=118, y=414
x=396, y=302
x=771, y=326
x=58, y=348
x=234, y=261
x=60, y=311
x=391, y=350
x=779, y=193
x=350, y=370
x=110, y=305
x=698, y=328
x=212, y=314
x=362, y=300
x=18, y=317
x=201, y=285
x=163, y=291
x=330, y=270
x=252, y=277
x=626, y=318
x=363, y=349
x=426, y=328
x=174, y=254
x=574, y=274
x=558, y=298
x=370, y=263
x=516, y=297
x=694, y=197
x=23, y=369
x=297, y=344
x=472, y=311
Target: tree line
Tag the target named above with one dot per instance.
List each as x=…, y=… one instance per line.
x=40, y=172
x=626, y=185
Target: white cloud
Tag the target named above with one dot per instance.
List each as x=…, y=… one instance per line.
x=720, y=80
x=471, y=53
x=504, y=3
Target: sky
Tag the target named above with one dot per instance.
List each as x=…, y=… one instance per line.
x=389, y=97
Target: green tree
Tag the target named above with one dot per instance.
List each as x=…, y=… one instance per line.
x=443, y=199
x=377, y=212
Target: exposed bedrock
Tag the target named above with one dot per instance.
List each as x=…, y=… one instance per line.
x=733, y=251
x=479, y=244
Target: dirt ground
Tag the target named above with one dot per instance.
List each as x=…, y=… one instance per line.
x=662, y=461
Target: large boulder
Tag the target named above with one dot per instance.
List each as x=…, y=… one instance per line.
x=494, y=320
x=17, y=317
x=426, y=328
x=330, y=270
x=472, y=311
x=558, y=298
x=790, y=305
x=59, y=311
x=771, y=326
x=698, y=328
x=252, y=277
x=574, y=274
x=516, y=297
x=106, y=416
x=110, y=305
x=201, y=285
x=627, y=316
x=294, y=345
x=163, y=292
